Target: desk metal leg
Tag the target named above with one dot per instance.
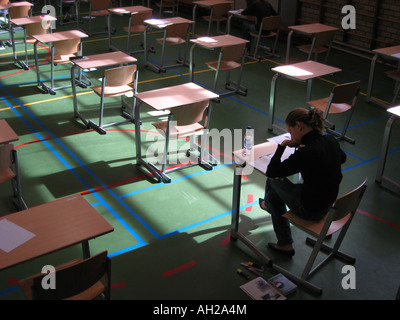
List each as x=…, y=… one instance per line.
x=191, y=63
x=371, y=78
x=272, y=98
x=289, y=40
x=385, y=146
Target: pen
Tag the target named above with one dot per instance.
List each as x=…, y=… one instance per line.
x=240, y=272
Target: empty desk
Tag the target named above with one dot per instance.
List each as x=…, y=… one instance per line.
x=108, y=59
x=51, y=38
x=164, y=24
x=165, y=99
x=29, y=22
x=380, y=177
x=124, y=12
x=392, y=53
x=53, y=226
x=305, y=71
x=307, y=29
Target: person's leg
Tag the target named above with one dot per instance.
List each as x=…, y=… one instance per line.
x=278, y=194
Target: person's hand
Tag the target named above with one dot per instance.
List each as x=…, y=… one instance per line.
x=289, y=143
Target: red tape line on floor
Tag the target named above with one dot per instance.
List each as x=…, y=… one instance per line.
x=179, y=269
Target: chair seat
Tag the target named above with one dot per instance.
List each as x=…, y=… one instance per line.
x=215, y=19
x=225, y=65
x=315, y=227
x=6, y=175
x=171, y=40
x=335, y=107
x=62, y=58
x=138, y=28
x=394, y=74
x=307, y=47
x=94, y=291
x=271, y=34
x=179, y=131
x=113, y=91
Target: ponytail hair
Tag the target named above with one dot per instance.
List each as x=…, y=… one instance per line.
x=313, y=118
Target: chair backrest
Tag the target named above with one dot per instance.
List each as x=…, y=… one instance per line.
x=66, y=47
x=36, y=28
x=233, y=53
x=120, y=76
x=97, y=5
x=75, y=279
x=177, y=29
x=271, y=23
x=323, y=38
x=345, y=92
x=348, y=203
x=190, y=114
x=5, y=156
x=221, y=9
x=139, y=17
x=19, y=11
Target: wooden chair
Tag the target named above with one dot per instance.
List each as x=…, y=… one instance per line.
x=218, y=14
x=343, y=98
x=321, y=43
x=337, y=219
x=136, y=25
x=395, y=75
x=17, y=12
x=98, y=8
x=175, y=35
x=76, y=280
x=9, y=172
x=186, y=123
x=116, y=82
x=169, y=4
x=269, y=28
x=227, y=61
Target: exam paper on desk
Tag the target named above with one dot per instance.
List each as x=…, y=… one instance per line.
x=12, y=235
x=262, y=163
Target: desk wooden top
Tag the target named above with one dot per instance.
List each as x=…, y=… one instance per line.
x=129, y=10
x=7, y=134
x=395, y=111
x=312, y=28
x=175, y=96
x=218, y=41
x=162, y=23
x=306, y=70
x=59, y=36
x=31, y=20
x=16, y=4
x=57, y=224
x=104, y=59
x=210, y=3
x=393, y=51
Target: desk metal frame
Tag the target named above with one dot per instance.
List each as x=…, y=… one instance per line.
x=392, y=53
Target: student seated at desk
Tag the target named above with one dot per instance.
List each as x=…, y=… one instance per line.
x=318, y=158
x=259, y=9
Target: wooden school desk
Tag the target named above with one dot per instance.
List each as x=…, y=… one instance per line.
x=162, y=24
x=50, y=38
x=206, y=4
x=216, y=43
x=237, y=14
x=307, y=29
x=56, y=225
x=305, y=71
x=258, y=160
x=103, y=60
x=165, y=99
x=392, y=53
x=380, y=177
x=7, y=134
x=124, y=12
x=23, y=22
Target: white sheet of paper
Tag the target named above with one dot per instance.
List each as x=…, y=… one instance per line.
x=12, y=235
